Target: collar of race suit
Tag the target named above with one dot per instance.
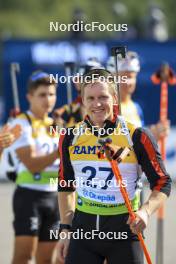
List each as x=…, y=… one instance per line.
x=107, y=124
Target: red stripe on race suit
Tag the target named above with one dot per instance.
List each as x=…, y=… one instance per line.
x=149, y=148
x=61, y=168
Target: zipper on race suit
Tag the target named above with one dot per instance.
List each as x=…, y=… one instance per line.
x=98, y=222
x=98, y=216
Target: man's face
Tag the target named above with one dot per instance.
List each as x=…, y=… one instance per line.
x=129, y=87
x=43, y=99
x=98, y=102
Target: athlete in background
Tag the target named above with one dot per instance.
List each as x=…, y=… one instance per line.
x=131, y=110
x=35, y=198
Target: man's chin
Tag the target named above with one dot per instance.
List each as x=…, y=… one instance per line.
x=131, y=91
x=48, y=110
x=98, y=121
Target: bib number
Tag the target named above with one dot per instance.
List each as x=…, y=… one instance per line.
x=93, y=173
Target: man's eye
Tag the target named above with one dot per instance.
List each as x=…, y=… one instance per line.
x=104, y=97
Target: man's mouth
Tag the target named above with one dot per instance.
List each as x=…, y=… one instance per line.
x=97, y=111
x=47, y=106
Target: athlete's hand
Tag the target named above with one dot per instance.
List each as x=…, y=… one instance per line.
x=116, y=153
x=140, y=222
x=58, y=120
x=9, y=135
x=161, y=129
x=63, y=245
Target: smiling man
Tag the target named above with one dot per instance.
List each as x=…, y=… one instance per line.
x=99, y=102
x=95, y=205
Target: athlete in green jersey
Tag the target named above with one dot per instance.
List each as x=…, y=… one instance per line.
x=35, y=204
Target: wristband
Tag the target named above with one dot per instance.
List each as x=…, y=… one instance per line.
x=64, y=226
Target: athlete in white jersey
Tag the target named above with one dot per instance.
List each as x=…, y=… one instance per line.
x=35, y=198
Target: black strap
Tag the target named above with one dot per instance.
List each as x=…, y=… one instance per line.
x=28, y=118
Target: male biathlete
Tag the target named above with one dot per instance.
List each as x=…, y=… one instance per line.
x=35, y=204
x=93, y=203
x=131, y=110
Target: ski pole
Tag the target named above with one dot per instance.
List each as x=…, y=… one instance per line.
x=68, y=71
x=14, y=69
x=105, y=144
x=163, y=76
x=115, y=52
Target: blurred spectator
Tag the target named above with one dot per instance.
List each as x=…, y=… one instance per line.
x=78, y=17
x=156, y=27
x=122, y=13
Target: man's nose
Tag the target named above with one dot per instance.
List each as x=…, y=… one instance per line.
x=97, y=103
x=49, y=97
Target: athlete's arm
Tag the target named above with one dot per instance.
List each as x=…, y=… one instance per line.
x=149, y=158
x=66, y=207
x=154, y=202
x=66, y=202
x=33, y=162
x=151, y=162
x=66, y=172
x=66, y=195
x=25, y=149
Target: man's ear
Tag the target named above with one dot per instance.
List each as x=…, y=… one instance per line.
x=28, y=97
